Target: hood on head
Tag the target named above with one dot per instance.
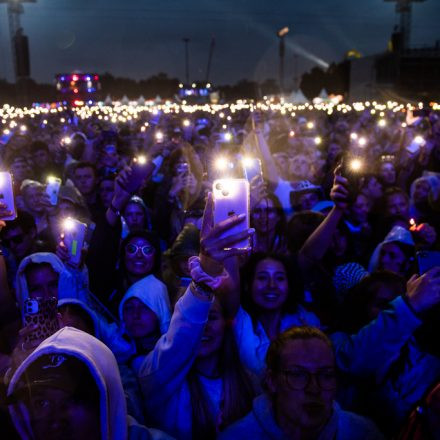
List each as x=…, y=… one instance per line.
x=86, y=309
x=103, y=368
x=154, y=294
x=397, y=234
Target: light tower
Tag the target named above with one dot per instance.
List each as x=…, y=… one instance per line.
x=281, y=34
x=404, y=8
x=19, y=41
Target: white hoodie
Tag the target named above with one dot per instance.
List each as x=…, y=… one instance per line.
x=103, y=368
x=69, y=286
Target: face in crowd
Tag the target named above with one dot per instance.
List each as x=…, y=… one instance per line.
x=397, y=204
x=139, y=320
x=265, y=216
x=19, y=242
x=302, y=383
x=33, y=198
x=85, y=180
x=134, y=215
x=42, y=281
x=393, y=258
x=270, y=286
x=139, y=257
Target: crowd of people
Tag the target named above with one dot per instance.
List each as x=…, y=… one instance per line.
x=324, y=327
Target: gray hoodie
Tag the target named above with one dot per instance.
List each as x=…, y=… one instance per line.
x=115, y=425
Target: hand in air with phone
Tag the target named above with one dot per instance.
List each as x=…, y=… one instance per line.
x=4, y=213
x=217, y=243
x=339, y=193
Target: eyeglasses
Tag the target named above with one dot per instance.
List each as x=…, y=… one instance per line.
x=298, y=379
x=132, y=249
x=16, y=239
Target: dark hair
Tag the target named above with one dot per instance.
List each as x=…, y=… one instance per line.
x=294, y=280
x=38, y=145
x=82, y=165
x=24, y=220
x=280, y=229
x=393, y=191
x=35, y=266
x=237, y=392
x=300, y=227
x=77, y=310
x=273, y=356
x=354, y=310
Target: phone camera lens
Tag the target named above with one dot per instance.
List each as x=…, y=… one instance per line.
x=225, y=193
x=218, y=186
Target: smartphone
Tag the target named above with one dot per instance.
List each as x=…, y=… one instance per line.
x=427, y=260
x=413, y=147
x=231, y=197
x=140, y=170
x=52, y=189
x=352, y=169
x=74, y=237
x=252, y=167
x=43, y=312
x=7, y=194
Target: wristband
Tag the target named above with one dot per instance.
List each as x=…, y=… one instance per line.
x=200, y=277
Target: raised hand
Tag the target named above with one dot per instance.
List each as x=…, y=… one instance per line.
x=214, y=247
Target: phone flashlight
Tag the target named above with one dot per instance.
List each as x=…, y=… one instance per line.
x=221, y=163
x=186, y=123
x=310, y=125
x=141, y=160
x=382, y=123
x=68, y=224
x=353, y=136
x=318, y=140
x=362, y=142
x=67, y=140
x=247, y=161
x=355, y=165
x=419, y=140
x=159, y=136
x=291, y=133
x=227, y=137
x=23, y=128
x=412, y=225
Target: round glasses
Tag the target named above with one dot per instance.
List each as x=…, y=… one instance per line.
x=299, y=379
x=132, y=249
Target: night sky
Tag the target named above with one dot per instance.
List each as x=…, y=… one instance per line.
x=138, y=38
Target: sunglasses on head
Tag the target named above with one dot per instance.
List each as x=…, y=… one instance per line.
x=132, y=249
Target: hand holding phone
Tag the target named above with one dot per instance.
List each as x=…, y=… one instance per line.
x=41, y=312
x=252, y=168
x=7, y=196
x=231, y=199
x=74, y=237
x=217, y=243
x=141, y=170
x=52, y=189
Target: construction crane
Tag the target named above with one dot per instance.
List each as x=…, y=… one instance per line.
x=404, y=8
x=19, y=41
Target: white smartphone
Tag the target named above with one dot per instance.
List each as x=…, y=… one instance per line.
x=7, y=194
x=74, y=236
x=231, y=197
x=53, y=188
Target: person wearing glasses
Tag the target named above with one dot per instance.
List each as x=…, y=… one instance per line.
x=299, y=402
